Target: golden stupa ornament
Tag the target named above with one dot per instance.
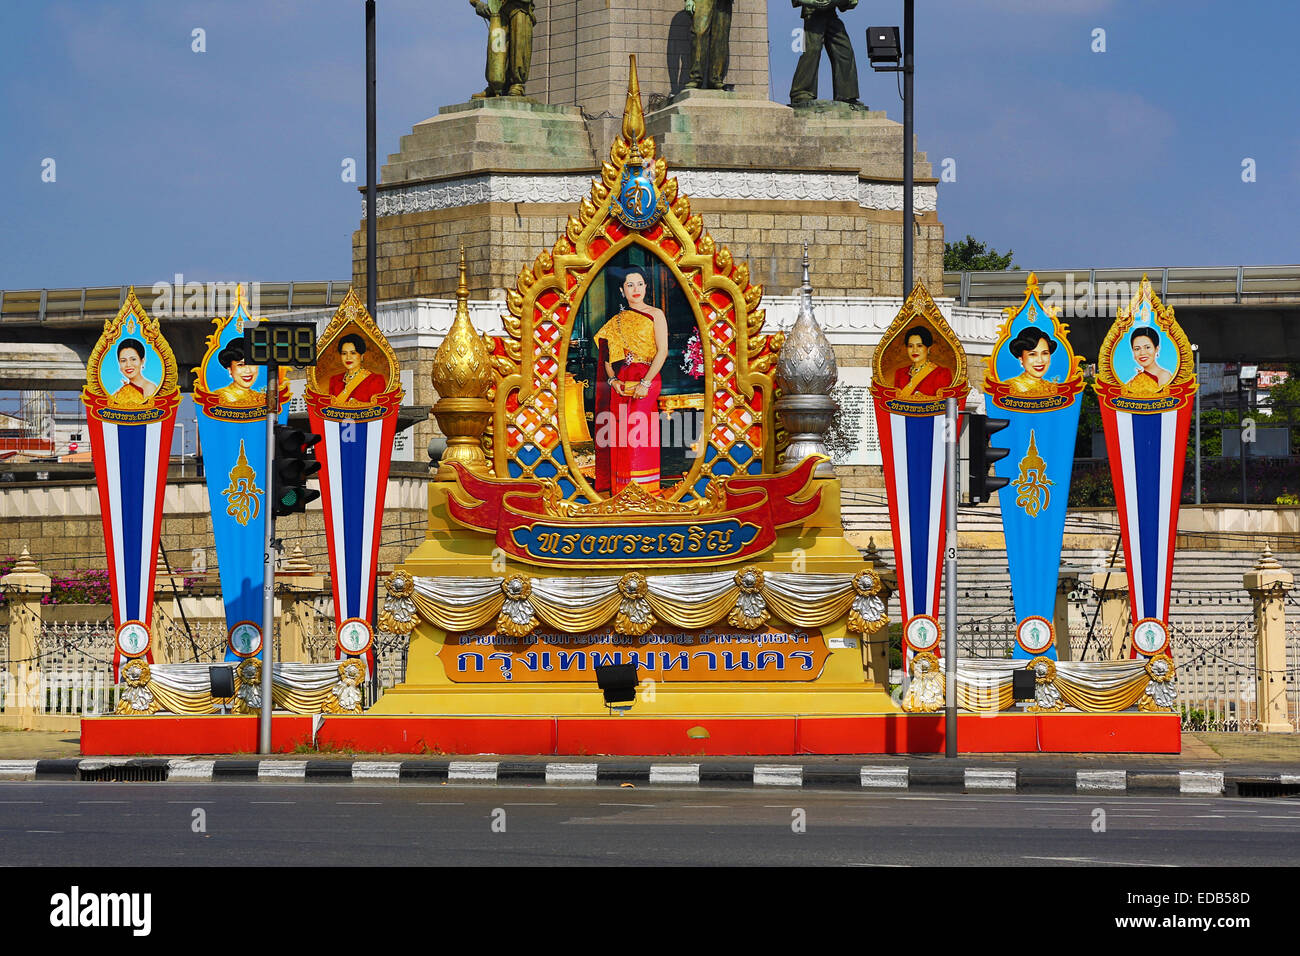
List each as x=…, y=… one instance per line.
x=462, y=374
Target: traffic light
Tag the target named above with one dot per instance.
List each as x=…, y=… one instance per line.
x=294, y=464
x=980, y=430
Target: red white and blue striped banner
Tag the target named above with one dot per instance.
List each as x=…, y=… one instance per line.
x=355, y=458
x=131, y=396
x=1147, y=453
x=914, y=461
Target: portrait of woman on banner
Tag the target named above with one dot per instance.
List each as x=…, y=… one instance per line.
x=921, y=377
x=240, y=393
x=1033, y=349
x=1151, y=378
x=136, y=390
x=355, y=386
x=633, y=346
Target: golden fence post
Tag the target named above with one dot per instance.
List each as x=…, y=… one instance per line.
x=24, y=587
x=1268, y=584
x=1112, y=592
x=299, y=587
x=1066, y=582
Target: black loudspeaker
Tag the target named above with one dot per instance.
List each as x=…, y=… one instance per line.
x=1022, y=684
x=883, y=45
x=618, y=682
x=222, y=680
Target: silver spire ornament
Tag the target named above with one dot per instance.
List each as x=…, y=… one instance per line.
x=806, y=373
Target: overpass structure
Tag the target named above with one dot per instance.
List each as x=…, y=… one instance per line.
x=1229, y=312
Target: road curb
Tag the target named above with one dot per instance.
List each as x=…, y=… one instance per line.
x=925, y=777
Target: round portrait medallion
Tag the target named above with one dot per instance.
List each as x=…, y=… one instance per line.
x=1150, y=636
x=132, y=639
x=354, y=636
x=922, y=633
x=245, y=638
x=1034, y=634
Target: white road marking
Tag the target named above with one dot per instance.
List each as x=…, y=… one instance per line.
x=778, y=775
x=103, y=801
x=984, y=778
x=570, y=773
x=376, y=770
x=1088, y=859
x=884, y=778
x=674, y=773
x=642, y=805
x=356, y=803
x=182, y=771
x=257, y=803
x=439, y=803
x=44, y=831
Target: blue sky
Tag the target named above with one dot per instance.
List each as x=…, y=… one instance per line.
x=226, y=164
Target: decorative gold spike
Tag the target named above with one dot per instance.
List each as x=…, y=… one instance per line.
x=633, y=117
x=462, y=373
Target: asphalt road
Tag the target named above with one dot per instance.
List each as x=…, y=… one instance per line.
x=76, y=824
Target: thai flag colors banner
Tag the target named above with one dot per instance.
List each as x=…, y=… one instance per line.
x=918, y=365
x=131, y=396
x=1146, y=384
x=231, y=398
x=1034, y=379
x=352, y=403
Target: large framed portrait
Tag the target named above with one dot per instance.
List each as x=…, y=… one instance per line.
x=636, y=377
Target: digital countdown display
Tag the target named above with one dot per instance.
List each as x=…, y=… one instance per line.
x=280, y=343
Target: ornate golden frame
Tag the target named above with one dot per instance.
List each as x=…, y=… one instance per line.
x=1064, y=392
x=1181, y=387
x=352, y=311
x=168, y=395
x=529, y=361
x=919, y=306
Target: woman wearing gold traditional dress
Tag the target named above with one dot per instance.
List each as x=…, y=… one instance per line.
x=136, y=390
x=1034, y=349
x=240, y=392
x=633, y=345
x=1152, y=379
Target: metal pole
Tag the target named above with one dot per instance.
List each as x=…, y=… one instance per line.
x=1196, y=353
x=950, y=583
x=1241, y=434
x=372, y=202
x=268, y=560
x=909, y=225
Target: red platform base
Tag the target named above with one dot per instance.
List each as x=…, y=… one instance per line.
x=161, y=736
x=636, y=736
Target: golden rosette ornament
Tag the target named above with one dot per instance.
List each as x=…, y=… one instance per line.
x=136, y=700
x=1160, y=693
x=1047, y=699
x=867, y=612
x=345, y=696
x=925, y=692
x=398, y=616
x=634, y=614
x=517, y=617
x=750, y=612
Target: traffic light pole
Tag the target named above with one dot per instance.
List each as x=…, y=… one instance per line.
x=950, y=586
x=268, y=559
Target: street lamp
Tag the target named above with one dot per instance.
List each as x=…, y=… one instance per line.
x=1245, y=380
x=883, y=52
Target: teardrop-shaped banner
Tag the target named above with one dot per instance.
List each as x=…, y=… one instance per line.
x=1146, y=386
x=131, y=396
x=918, y=365
x=1034, y=379
x=231, y=399
x=353, y=397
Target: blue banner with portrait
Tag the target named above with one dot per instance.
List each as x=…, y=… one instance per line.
x=1034, y=380
x=230, y=395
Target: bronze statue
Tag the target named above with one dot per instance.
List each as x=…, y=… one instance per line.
x=711, y=49
x=822, y=27
x=510, y=44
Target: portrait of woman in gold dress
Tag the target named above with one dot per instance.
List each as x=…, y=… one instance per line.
x=633, y=346
x=136, y=390
x=1152, y=379
x=240, y=392
x=1033, y=348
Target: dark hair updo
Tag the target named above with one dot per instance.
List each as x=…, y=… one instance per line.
x=926, y=337
x=134, y=344
x=1028, y=339
x=1146, y=332
x=357, y=341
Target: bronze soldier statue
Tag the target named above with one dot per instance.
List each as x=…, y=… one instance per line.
x=712, y=34
x=822, y=27
x=510, y=44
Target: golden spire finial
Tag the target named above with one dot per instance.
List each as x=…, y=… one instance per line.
x=633, y=117
x=462, y=374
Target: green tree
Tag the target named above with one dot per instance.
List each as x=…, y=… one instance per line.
x=971, y=255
